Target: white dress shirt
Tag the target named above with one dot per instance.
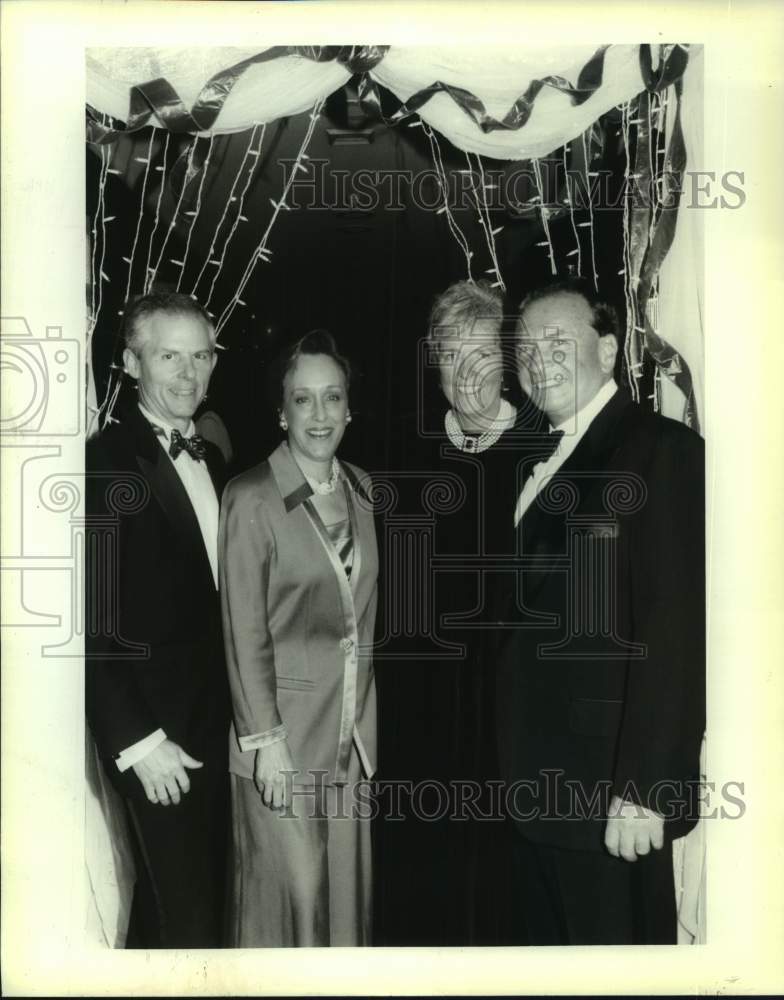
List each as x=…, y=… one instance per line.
x=196, y=479
x=573, y=430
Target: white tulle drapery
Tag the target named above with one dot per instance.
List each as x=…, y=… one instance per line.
x=109, y=865
x=290, y=84
x=498, y=77
x=283, y=86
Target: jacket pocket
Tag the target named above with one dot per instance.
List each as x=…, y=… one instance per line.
x=294, y=683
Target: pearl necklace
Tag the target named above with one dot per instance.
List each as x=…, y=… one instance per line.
x=504, y=419
x=329, y=487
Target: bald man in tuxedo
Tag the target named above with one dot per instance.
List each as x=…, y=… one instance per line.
x=600, y=682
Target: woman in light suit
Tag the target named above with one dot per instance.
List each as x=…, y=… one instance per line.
x=298, y=586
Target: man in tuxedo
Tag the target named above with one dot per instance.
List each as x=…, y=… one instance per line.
x=600, y=683
x=156, y=687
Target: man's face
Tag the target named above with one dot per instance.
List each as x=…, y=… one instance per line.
x=470, y=366
x=562, y=362
x=173, y=366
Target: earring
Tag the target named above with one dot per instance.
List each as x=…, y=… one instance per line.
x=348, y=418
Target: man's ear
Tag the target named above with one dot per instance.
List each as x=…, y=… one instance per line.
x=608, y=351
x=131, y=363
x=214, y=361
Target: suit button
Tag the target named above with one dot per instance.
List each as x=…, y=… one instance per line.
x=347, y=645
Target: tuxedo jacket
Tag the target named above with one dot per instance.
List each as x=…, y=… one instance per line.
x=154, y=646
x=600, y=684
x=299, y=632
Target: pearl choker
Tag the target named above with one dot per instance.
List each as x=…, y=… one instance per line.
x=504, y=419
x=329, y=487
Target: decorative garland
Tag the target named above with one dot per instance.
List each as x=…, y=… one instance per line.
x=162, y=169
x=158, y=98
x=141, y=215
x=209, y=259
x=445, y=209
x=570, y=202
x=262, y=252
x=484, y=220
x=194, y=213
x=646, y=253
x=151, y=274
x=545, y=210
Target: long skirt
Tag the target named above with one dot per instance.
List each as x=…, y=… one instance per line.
x=302, y=876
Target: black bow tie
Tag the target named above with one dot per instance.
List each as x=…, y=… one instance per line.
x=193, y=445
x=550, y=444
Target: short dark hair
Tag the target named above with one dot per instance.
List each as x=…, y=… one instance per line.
x=463, y=303
x=314, y=342
x=170, y=303
x=604, y=316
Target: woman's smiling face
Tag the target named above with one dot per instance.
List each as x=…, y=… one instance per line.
x=470, y=367
x=315, y=407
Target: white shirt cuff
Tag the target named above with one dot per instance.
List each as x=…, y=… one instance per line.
x=257, y=741
x=133, y=754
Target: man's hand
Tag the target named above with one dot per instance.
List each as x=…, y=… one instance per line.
x=162, y=773
x=271, y=761
x=632, y=830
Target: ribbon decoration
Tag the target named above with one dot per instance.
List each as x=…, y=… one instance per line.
x=158, y=97
x=589, y=81
x=672, y=65
x=651, y=239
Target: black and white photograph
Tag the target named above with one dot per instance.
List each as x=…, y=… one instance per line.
x=399, y=595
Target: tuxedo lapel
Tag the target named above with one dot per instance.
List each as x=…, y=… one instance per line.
x=216, y=468
x=167, y=488
x=542, y=531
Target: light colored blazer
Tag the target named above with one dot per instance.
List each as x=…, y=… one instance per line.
x=298, y=632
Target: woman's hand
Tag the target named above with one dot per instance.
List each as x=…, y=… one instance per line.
x=273, y=785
